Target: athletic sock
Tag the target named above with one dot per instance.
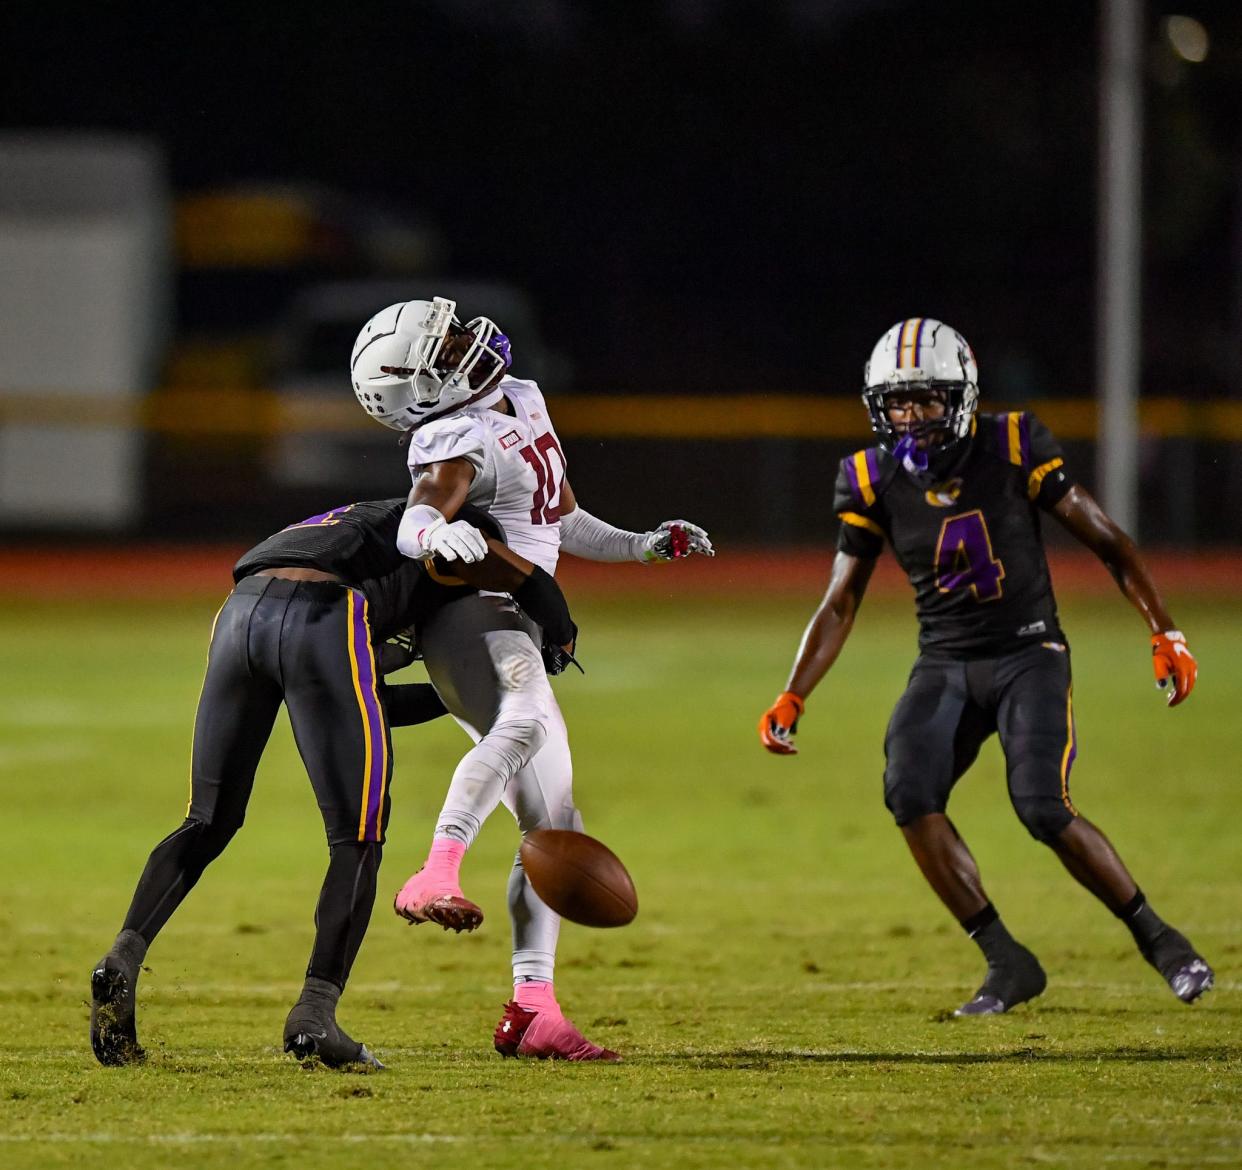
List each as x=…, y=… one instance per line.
x=536, y=995
x=444, y=859
x=991, y=937
x=1165, y=948
x=1142, y=921
x=321, y=994
x=131, y=948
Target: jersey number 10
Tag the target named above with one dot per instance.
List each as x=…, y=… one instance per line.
x=549, y=474
x=964, y=557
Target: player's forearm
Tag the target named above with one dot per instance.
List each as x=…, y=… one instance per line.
x=1135, y=581
x=593, y=539
x=825, y=636
x=1089, y=523
x=821, y=646
x=501, y=571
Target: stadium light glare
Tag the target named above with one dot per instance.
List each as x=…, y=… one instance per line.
x=1187, y=37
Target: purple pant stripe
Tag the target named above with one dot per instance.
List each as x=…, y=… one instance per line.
x=374, y=719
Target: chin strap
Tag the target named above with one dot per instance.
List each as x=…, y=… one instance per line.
x=913, y=458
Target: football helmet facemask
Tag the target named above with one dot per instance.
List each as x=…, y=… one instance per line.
x=922, y=357
x=415, y=360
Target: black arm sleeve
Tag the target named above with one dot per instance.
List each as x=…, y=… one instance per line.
x=541, y=597
x=411, y=703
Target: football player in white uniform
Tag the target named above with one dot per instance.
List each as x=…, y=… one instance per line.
x=479, y=436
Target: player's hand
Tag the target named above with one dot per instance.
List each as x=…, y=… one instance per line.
x=1173, y=663
x=558, y=658
x=779, y=724
x=397, y=653
x=675, y=539
x=456, y=541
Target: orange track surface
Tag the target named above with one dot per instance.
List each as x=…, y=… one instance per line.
x=164, y=572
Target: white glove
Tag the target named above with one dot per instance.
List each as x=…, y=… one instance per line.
x=424, y=532
x=675, y=539
x=453, y=541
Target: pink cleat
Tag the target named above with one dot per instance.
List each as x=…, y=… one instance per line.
x=544, y=1035
x=428, y=898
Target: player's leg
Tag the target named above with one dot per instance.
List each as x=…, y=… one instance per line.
x=236, y=710
x=934, y=735
x=490, y=675
x=533, y=1024
x=1036, y=723
x=331, y=691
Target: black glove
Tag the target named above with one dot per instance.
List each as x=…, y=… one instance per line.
x=396, y=654
x=556, y=658
x=541, y=598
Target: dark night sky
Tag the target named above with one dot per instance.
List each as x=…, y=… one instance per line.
x=703, y=194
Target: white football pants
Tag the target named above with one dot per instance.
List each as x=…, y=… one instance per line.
x=482, y=659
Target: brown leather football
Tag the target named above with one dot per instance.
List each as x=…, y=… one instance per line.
x=579, y=877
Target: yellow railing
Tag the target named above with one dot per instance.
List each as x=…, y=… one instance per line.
x=261, y=413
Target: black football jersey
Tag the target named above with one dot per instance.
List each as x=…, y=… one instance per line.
x=971, y=545
x=358, y=544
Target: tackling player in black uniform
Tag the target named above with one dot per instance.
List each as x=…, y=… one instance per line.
x=306, y=624
x=958, y=497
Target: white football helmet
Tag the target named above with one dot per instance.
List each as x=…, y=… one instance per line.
x=922, y=353
x=397, y=370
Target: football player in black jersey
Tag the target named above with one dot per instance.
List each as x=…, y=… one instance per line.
x=307, y=625
x=958, y=496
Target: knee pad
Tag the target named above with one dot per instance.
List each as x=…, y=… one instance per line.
x=908, y=800
x=1044, y=817
x=526, y=735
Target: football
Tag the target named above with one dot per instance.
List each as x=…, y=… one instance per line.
x=579, y=877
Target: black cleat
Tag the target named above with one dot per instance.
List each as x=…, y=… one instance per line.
x=114, y=990
x=1018, y=979
x=310, y=1035
x=1182, y=967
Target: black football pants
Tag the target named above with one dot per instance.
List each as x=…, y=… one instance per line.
x=308, y=644
x=950, y=707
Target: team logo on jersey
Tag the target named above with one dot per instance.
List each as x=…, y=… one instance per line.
x=512, y=439
x=944, y=495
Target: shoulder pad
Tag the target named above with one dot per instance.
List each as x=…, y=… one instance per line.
x=449, y=438
x=1008, y=436
x=868, y=472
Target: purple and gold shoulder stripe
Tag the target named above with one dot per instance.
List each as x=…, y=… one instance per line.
x=862, y=471
x=1014, y=436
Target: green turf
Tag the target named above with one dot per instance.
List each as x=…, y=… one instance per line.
x=780, y=999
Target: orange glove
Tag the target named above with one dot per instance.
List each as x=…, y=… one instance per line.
x=1173, y=662
x=779, y=723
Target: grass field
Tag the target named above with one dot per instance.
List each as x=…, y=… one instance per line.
x=781, y=999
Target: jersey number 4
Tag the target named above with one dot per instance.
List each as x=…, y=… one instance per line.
x=964, y=557
x=549, y=474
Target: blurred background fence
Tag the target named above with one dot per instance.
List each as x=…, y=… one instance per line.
x=694, y=217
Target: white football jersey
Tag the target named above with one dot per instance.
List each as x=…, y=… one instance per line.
x=518, y=463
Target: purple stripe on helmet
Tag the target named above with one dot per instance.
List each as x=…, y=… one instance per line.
x=374, y=729
x=918, y=340
x=1024, y=437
